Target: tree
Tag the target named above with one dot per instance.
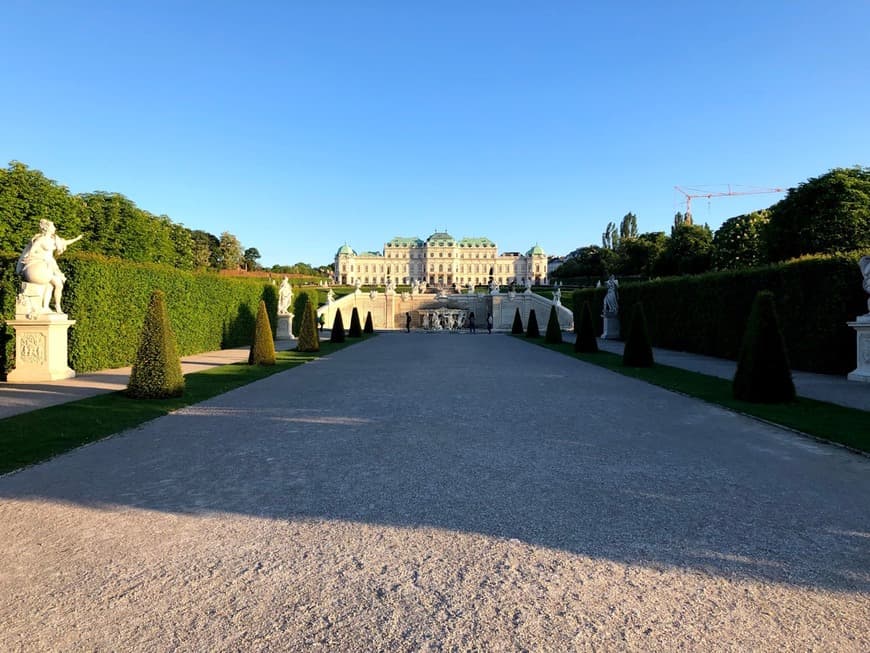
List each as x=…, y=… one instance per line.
x=689, y=250
x=640, y=255
x=517, y=326
x=638, y=349
x=591, y=261
x=26, y=196
x=156, y=373
x=337, y=334
x=682, y=220
x=585, y=341
x=553, y=335
x=737, y=243
x=206, y=248
x=251, y=256
x=822, y=215
x=230, y=252
x=628, y=227
x=610, y=237
x=182, y=243
x=263, y=347
x=763, y=373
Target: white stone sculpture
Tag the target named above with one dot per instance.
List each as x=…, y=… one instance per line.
x=357, y=284
x=528, y=283
x=391, y=286
x=373, y=293
x=611, y=300
x=557, y=296
x=41, y=276
x=285, y=297
x=493, y=288
x=470, y=288
x=330, y=296
x=864, y=264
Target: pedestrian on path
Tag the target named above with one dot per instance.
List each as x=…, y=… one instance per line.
x=407, y=322
x=489, y=322
x=471, y=326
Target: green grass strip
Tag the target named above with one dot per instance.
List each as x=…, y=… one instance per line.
x=848, y=426
x=38, y=435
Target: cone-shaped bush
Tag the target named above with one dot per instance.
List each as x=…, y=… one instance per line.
x=554, y=331
x=532, y=330
x=638, y=349
x=355, y=330
x=308, y=340
x=585, y=342
x=156, y=372
x=517, y=328
x=369, y=327
x=763, y=374
x=337, y=327
x=263, y=348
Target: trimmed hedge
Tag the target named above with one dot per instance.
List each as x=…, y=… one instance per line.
x=337, y=333
x=763, y=374
x=355, y=330
x=263, y=345
x=706, y=314
x=108, y=297
x=532, y=330
x=554, y=331
x=156, y=373
x=585, y=341
x=308, y=339
x=369, y=326
x=638, y=350
x=517, y=326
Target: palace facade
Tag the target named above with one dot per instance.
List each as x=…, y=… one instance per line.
x=441, y=259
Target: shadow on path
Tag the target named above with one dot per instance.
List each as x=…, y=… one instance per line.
x=487, y=434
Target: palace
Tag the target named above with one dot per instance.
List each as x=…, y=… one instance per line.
x=440, y=260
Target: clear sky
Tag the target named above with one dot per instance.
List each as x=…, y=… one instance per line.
x=298, y=125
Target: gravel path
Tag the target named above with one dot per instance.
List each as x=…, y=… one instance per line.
x=440, y=492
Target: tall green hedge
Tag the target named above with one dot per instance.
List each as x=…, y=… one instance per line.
x=107, y=298
x=707, y=313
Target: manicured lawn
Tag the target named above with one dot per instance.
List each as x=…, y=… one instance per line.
x=40, y=434
x=848, y=426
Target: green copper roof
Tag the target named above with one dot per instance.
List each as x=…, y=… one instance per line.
x=345, y=249
x=476, y=242
x=400, y=241
x=370, y=254
x=441, y=238
x=535, y=251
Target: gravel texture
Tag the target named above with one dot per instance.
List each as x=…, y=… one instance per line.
x=440, y=492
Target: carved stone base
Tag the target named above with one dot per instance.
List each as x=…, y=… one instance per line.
x=611, y=327
x=862, y=332
x=41, y=349
x=284, y=330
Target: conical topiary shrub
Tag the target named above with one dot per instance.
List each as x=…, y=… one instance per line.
x=263, y=348
x=308, y=340
x=156, y=372
x=369, y=327
x=355, y=330
x=585, y=342
x=337, y=328
x=517, y=327
x=532, y=330
x=638, y=349
x=554, y=331
x=763, y=374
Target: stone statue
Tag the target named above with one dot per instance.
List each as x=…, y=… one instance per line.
x=528, y=283
x=357, y=284
x=330, y=296
x=373, y=293
x=415, y=287
x=611, y=300
x=42, y=279
x=285, y=297
x=493, y=287
x=864, y=264
x=557, y=296
x=391, y=286
x=470, y=288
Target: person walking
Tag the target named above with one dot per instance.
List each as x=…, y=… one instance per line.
x=471, y=327
x=407, y=322
x=489, y=322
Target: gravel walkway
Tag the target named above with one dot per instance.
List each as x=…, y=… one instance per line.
x=440, y=492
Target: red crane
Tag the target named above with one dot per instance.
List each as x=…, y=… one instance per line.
x=692, y=193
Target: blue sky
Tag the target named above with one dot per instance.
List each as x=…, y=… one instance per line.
x=299, y=125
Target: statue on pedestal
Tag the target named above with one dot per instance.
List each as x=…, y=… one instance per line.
x=285, y=297
x=41, y=276
x=864, y=264
x=611, y=301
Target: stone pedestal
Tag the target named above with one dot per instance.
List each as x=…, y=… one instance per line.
x=862, y=332
x=611, y=326
x=41, y=349
x=284, y=330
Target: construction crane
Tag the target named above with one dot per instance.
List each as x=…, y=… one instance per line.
x=694, y=193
